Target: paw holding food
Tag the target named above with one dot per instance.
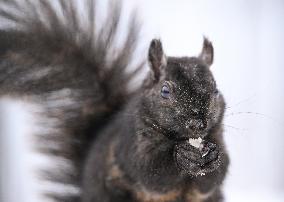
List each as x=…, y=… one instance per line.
x=196, y=157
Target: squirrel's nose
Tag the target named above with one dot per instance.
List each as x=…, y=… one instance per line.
x=196, y=125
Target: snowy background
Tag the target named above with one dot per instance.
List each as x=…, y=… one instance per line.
x=249, y=64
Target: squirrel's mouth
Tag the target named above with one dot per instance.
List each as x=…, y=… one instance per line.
x=206, y=158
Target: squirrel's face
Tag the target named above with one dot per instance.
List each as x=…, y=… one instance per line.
x=181, y=96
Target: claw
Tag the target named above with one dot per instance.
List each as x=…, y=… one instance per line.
x=205, y=152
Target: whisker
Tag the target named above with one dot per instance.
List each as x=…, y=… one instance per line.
x=235, y=128
x=249, y=112
x=277, y=122
x=241, y=102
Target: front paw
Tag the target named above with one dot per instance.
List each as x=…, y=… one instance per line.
x=195, y=161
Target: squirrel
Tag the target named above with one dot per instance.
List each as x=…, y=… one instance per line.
x=159, y=142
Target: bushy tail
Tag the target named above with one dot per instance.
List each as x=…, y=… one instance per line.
x=54, y=56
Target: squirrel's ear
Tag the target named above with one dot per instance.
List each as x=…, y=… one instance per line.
x=157, y=58
x=207, y=54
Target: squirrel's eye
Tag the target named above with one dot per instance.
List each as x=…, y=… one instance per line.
x=216, y=92
x=165, y=92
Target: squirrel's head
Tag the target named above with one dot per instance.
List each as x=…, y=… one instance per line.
x=181, y=99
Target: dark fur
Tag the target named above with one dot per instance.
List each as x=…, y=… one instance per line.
x=122, y=146
x=149, y=137
x=80, y=62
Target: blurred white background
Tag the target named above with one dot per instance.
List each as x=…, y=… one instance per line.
x=249, y=65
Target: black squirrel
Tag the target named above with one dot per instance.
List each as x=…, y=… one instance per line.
x=161, y=142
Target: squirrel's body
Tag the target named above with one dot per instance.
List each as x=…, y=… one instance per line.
x=116, y=171
x=138, y=161
x=121, y=145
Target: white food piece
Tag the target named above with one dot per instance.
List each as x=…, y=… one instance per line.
x=195, y=142
x=202, y=174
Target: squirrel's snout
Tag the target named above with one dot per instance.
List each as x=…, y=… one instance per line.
x=196, y=125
